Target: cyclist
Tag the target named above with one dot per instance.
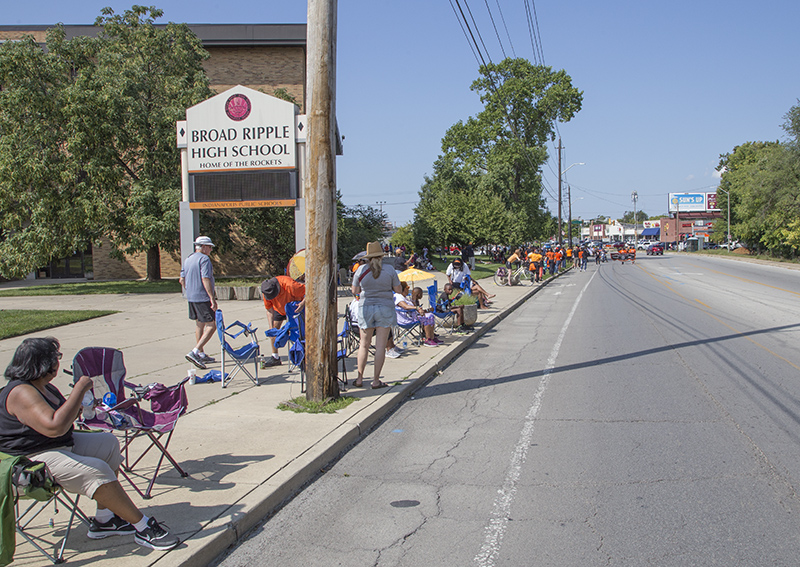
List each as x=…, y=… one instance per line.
x=513, y=262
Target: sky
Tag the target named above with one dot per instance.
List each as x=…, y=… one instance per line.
x=667, y=86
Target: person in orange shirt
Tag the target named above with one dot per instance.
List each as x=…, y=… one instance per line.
x=277, y=292
x=559, y=260
x=551, y=261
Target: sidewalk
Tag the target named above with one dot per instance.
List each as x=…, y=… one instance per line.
x=244, y=457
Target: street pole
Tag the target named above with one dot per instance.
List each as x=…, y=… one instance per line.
x=560, y=239
x=635, y=196
x=569, y=218
x=320, y=184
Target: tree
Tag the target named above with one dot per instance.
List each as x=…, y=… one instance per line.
x=47, y=205
x=88, y=138
x=355, y=227
x=628, y=217
x=143, y=81
x=494, y=158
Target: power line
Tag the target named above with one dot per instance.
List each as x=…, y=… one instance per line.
x=500, y=41
x=508, y=35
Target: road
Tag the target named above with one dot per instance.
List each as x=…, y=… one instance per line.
x=628, y=415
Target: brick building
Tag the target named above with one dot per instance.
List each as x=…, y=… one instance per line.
x=260, y=56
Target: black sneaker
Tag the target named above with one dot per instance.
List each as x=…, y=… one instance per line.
x=194, y=359
x=270, y=361
x=207, y=359
x=155, y=537
x=115, y=526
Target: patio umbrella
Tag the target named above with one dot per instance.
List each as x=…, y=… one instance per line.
x=296, y=268
x=360, y=255
x=413, y=274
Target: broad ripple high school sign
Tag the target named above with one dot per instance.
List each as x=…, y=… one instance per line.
x=241, y=150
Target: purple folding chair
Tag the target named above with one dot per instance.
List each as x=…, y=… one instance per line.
x=107, y=369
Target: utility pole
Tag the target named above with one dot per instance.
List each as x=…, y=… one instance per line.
x=320, y=186
x=634, y=197
x=560, y=239
x=569, y=217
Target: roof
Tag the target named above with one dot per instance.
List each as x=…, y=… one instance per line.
x=211, y=35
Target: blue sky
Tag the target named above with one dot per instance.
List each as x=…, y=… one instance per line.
x=668, y=86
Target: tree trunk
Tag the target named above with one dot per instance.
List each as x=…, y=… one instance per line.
x=154, y=264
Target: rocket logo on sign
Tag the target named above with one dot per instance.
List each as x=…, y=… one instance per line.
x=238, y=107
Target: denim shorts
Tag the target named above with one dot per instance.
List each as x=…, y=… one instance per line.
x=372, y=316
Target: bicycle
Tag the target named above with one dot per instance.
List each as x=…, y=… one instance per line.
x=517, y=275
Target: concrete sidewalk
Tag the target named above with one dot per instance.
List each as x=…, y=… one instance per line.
x=244, y=457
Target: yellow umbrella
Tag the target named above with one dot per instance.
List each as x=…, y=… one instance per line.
x=413, y=274
x=296, y=268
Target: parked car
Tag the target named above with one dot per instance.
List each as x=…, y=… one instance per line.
x=655, y=249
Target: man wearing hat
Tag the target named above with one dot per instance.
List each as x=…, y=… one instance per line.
x=277, y=292
x=197, y=279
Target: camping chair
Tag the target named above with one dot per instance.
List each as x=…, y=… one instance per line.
x=126, y=416
x=345, y=280
x=412, y=330
x=249, y=352
x=446, y=319
x=33, y=491
x=466, y=285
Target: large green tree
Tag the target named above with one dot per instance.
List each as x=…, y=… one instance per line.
x=88, y=138
x=494, y=158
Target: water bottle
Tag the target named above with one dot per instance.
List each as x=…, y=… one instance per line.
x=88, y=405
x=110, y=399
x=405, y=345
x=192, y=376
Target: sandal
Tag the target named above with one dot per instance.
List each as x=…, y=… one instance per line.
x=380, y=385
x=357, y=384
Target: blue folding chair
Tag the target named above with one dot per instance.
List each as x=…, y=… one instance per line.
x=445, y=319
x=249, y=352
x=466, y=285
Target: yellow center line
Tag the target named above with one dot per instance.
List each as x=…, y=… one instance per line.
x=738, y=332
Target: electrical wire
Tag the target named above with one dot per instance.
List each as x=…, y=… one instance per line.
x=500, y=41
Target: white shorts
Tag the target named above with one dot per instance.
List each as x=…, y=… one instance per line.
x=87, y=465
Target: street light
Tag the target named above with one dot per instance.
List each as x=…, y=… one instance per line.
x=634, y=197
x=560, y=174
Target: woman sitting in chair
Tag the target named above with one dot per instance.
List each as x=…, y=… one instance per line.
x=36, y=421
x=408, y=312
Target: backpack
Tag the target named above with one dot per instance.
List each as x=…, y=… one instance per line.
x=33, y=480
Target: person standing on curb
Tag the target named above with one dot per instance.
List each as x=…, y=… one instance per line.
x=376, y=314
x=197, y=280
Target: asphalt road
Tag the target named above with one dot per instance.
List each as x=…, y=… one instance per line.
x=632, y=415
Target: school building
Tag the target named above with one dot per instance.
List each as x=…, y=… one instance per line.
x=260, y=56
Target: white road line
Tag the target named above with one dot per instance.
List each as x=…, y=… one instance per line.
x=496, y=528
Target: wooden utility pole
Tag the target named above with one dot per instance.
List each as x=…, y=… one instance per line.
x=320, y=187
x=560, y=239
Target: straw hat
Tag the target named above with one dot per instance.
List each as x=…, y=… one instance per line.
x=374, y=250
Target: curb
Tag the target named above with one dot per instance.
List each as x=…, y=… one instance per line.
x=215, y=537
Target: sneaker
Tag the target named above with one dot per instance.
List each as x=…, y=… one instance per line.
x=270, y=361
x=196, y=360
x=430, y=343
x=115, y=526
x=207, y=359
x=392, y=353
x=155, y=537
x=438, y=340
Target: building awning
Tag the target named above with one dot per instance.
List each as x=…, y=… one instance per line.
x=651, y=232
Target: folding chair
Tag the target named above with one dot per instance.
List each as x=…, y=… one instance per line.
x=345, y=280
x=249, y=352
x=33, y=492
x=125, y=416
x=466, y=285
x=408, y=329
x=446, y=319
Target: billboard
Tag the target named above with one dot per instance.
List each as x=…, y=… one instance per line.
x=687, y=202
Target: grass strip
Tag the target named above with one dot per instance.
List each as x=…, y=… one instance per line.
x=94, y=288
x=302, y=405
x=16, y=322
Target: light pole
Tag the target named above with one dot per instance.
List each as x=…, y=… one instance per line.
x=634, y=197
x=560, y=174
x=380, y=204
